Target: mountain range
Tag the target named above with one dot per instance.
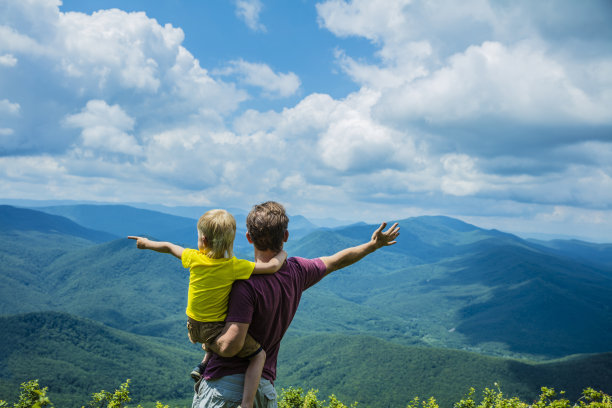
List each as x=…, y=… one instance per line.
x=445, y=284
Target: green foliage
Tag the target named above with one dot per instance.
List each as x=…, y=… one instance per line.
x=492, y=398
x=595, y=399
x=294, y=397
x=105, y=399
x=32, y=396
x=548, y=399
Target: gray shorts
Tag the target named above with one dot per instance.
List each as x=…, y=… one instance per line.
x=226, y=392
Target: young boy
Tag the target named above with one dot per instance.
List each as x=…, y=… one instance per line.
x=212, y=270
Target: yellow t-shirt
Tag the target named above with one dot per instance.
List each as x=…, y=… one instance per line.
x=210, y=283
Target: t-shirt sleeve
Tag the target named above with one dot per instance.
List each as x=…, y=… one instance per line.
x=187, y=257
x=313, y=270
x=243, y=269
x=241, y=303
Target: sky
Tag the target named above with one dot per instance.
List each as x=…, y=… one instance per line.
x=498, y=113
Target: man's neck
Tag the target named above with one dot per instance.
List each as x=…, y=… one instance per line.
x=264, y=256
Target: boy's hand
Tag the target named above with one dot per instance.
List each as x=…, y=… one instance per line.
x=386, y=238
x=141, y=242
x=163, y=247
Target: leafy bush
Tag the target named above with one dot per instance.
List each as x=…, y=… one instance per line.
x=32, y=396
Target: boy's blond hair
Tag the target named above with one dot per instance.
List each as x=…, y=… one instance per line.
x=219, y=228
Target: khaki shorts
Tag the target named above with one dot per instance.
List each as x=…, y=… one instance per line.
x=207, y=332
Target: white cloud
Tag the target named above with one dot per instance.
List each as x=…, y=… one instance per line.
x=261, y=75
x=520, y=83
x=110, y=55
x=104, y=128
x=8, y=60
x=353, y=142
x=113, y=46
x=461, y=177
x=372, y=19
x=447, y=62
x=9, y=107
x=248, y=11
x=460, y=105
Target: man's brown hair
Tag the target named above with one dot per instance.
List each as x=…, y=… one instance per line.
x=267, y=223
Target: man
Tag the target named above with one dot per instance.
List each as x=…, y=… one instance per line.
x=264, y=306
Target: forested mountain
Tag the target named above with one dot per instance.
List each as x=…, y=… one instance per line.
x=445, y=284
x=123, y=220
x=75, y=357
x=453, y=284
x=377, y=373
x=587, y=252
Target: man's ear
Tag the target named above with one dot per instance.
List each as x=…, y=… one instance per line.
x=248, y=236
x=286, y=237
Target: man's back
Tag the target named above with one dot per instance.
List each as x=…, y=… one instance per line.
x=267, y=303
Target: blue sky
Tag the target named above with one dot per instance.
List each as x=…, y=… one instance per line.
x=495, y=112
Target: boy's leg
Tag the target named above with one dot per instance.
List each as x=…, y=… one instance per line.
x=205, y=333
x=198, y=370
x=251, y=379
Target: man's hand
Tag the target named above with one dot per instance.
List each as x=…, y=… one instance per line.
x=381, y=239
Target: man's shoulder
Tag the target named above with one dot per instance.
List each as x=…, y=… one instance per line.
x=306, y=262
x=296, y=264
x=294, y=269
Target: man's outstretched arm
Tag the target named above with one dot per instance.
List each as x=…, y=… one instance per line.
x=351, y=255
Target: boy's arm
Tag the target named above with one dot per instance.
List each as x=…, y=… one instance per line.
x=272, y=265
x=349, y=256
x=163, y=247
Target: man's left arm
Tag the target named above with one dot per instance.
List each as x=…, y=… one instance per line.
x=351, y=255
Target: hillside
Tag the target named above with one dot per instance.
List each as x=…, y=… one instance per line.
x=586, y=252
x=29, y=242
x=382, y=374
x=75, y=357
x=140, y=291
x=456, y=285
x=80, y=356
x=445, y=284
x=123, y=220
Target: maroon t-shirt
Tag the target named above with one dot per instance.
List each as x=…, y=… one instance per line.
x=268, y=303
